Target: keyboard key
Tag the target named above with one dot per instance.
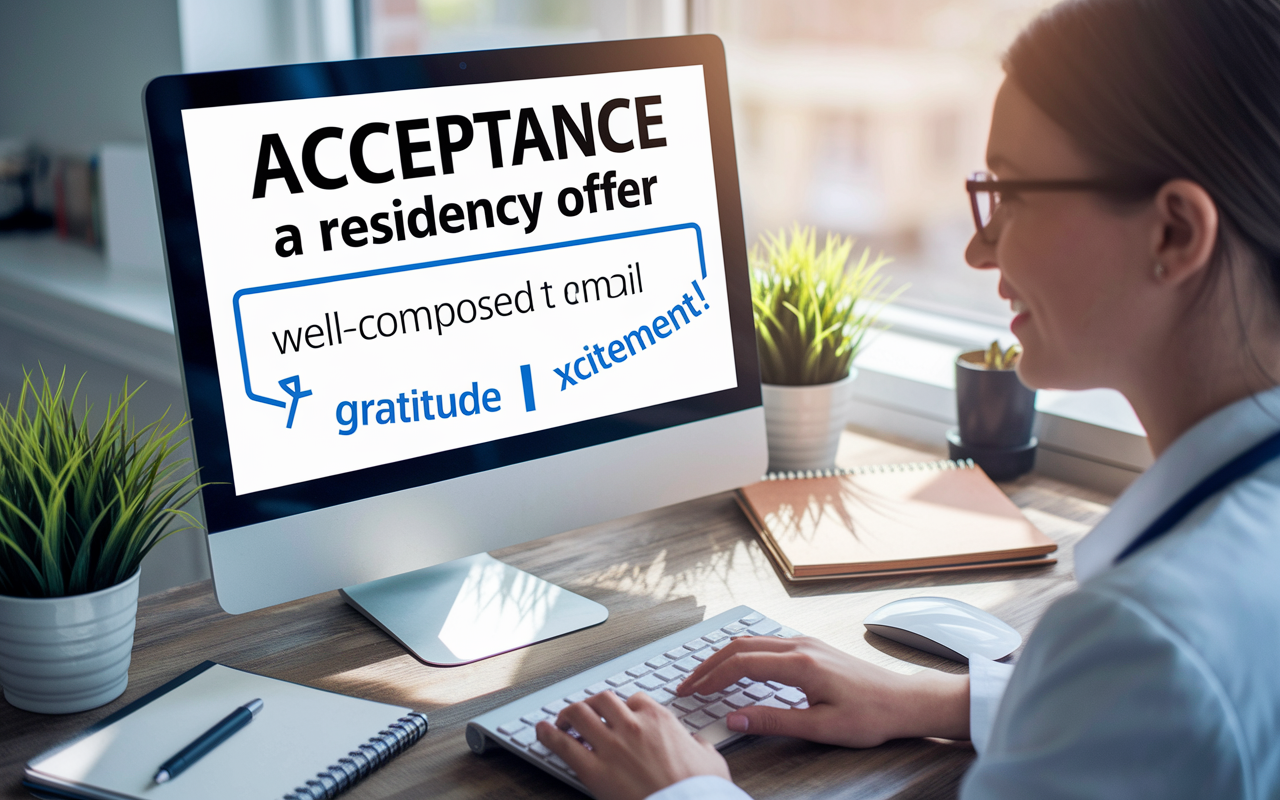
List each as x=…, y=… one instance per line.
x=686, y=664
x=525, y=737
x=744, y=682
x=708, y=697
x=576, y=697
x=734, y=628
x=715, y=636
x=752, y=618
x=625, y=691
x=791, y=696
x=555, y=707
x=718, y=646
x=775, y=685
x=657, y=662
x=597, y=688
x=703, y=656
x=539, y=749
x=699, y=719
x=677, y=653
x=688, y=704
x=788, y=633
x=663, y=696
x=758, y=692
x=739, y=700
x=689, y=726
x=639, y=670
x=650, y=682
x=534, y=718
x=558, y=762
x=716, y=733
x=764, y=628
x=669, y=673
x=511, y=727
x=773, y=702
x=695, y=645
x=618, y=680
x=718, y=710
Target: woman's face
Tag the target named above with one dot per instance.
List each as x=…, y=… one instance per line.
x=1075, y=268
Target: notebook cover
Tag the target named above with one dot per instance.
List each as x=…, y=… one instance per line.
x=892, y=520
x=116, y=758
x=1033, y=561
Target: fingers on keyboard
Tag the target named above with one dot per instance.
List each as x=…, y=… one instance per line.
x=727, y=653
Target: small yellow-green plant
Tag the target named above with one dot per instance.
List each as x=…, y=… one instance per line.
x=995, y=358
x=812, y=308
x=79, y=509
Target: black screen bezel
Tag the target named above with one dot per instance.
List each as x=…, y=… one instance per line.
x=166, y=97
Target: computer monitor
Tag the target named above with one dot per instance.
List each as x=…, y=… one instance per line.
x=436, y=305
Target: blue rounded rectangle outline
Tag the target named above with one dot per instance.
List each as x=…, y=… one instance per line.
x=275, y=287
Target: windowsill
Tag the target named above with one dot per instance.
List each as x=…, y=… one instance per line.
x=66, y=294
x=906, y=387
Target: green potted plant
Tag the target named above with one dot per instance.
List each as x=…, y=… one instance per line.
x=995, y=412
x=79, y=510
x=812, y=313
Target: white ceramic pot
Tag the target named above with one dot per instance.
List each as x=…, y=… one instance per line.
x=803, y=423
x=64, y=654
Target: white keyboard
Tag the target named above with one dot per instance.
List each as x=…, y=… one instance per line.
x=657, y=669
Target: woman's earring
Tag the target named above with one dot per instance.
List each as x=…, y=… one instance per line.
x=1160, y=271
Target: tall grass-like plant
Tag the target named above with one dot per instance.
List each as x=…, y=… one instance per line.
x=79, y=509
x=812, y=308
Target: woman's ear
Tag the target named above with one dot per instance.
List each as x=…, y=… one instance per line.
x=1188, y=231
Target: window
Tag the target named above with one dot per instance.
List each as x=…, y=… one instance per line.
x=404, y=27
x=862, y=117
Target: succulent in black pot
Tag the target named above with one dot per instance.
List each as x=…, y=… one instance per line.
x=996, y=413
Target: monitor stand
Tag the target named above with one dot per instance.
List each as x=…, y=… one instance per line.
x=469, y=609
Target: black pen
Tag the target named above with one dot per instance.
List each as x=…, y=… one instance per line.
x=208, y=740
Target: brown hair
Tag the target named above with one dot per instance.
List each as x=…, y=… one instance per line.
x=1160, y=89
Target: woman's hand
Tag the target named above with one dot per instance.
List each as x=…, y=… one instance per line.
x=851, y=702
x=637, y=746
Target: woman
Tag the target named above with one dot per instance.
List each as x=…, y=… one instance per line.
x=1141, y=251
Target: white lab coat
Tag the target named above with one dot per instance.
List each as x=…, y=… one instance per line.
x=1158, y=677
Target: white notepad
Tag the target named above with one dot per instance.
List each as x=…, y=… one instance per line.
x=300, y=732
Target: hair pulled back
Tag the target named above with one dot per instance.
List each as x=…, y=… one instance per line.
x=1160, y=89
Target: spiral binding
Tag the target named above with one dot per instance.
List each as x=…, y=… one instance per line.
x=380, y=749
x=873, y=469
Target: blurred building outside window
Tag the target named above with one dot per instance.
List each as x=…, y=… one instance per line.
x=860, y=117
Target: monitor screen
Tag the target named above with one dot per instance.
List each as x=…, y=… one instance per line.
x=388, y=274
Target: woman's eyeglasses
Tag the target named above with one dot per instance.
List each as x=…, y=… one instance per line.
x=986, y=191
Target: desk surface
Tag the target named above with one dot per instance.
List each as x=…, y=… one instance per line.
x=657, y=572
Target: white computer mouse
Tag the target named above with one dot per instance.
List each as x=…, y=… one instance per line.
x=944, y=627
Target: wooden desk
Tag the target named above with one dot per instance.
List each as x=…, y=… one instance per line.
x=657, y=572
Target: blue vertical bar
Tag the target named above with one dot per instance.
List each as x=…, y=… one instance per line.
x=526, y=378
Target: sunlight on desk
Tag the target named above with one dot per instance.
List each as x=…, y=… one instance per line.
x=497, y=608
